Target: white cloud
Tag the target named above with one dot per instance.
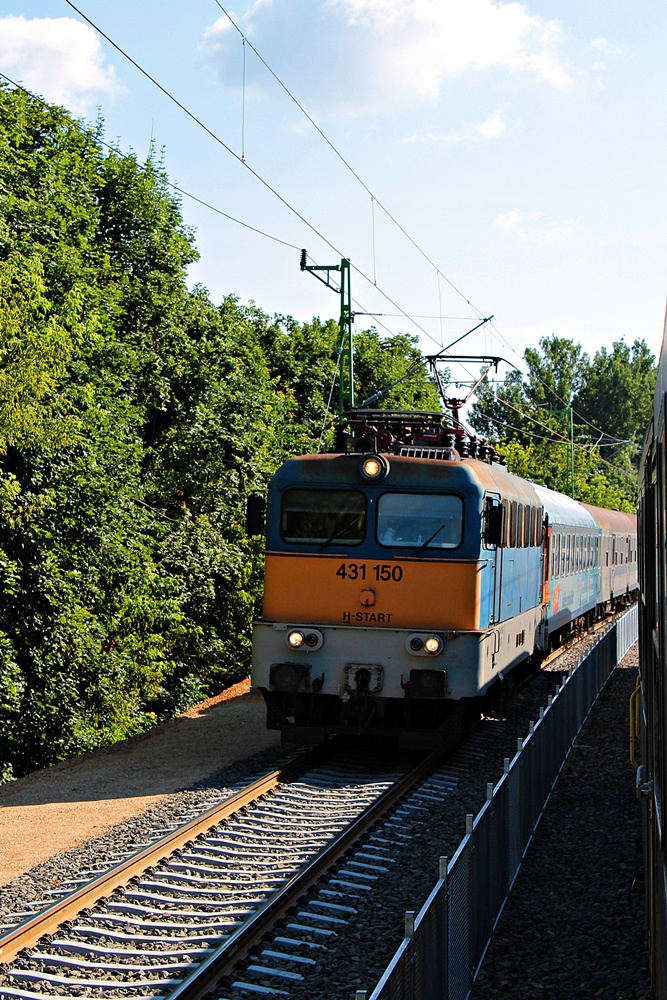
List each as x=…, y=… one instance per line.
x=515, y=218
x=59, y=58
x=417, y=44
x=531, y=227
x=603, y=46
x=215, y=36
x=492, y=128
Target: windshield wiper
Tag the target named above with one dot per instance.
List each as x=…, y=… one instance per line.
x=337, y=534
x=436, y=532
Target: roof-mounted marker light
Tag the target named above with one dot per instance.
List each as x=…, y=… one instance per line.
x=374, y=467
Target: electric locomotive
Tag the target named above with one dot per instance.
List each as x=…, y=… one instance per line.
x=409, y=576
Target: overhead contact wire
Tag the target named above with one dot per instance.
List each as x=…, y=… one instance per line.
x=255, y=174
x=174, y=187
x=374, y=199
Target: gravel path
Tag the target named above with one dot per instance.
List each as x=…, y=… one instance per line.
x=59, y=808
x=573, y=927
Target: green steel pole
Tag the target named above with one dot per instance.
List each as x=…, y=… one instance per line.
x=346, y=359
x=345, y=350
x=571, y=452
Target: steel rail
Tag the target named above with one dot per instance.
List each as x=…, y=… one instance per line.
x=47, y=921
x=237, y=947
x=573, y=640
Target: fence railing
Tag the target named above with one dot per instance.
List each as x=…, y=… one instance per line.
x=445, y=943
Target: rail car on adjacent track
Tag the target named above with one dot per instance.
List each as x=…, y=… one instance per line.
x=409, y=576
x=652, y=775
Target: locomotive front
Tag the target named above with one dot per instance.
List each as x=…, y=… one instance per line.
x=379, y=591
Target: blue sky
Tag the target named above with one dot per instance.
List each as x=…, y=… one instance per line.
x=521, y=145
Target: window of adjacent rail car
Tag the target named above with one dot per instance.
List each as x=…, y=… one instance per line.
x=420, y=519
x=320, y=516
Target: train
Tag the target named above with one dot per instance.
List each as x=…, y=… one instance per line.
x=652, y=773
x=411, y=579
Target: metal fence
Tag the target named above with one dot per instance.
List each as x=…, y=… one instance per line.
x=445, y=943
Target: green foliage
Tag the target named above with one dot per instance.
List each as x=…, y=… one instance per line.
x=135, y=418
x=616, y=392
x=611, y=398
x=549, y=465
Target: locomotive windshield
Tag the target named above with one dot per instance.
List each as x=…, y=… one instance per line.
x=323, y=516
x=422, y=520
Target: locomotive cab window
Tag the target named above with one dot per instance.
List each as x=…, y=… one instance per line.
x=322, y=516
x=423, y=520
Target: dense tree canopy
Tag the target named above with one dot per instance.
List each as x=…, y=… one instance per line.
x=136, y=416
x=601, y=405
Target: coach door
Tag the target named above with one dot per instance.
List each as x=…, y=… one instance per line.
x=546, y=561
x=495, y=526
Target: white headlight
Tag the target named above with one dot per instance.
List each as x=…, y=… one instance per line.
x=432, y=644
x=295, y=639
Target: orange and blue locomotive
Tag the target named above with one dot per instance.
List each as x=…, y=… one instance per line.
x=409, y=574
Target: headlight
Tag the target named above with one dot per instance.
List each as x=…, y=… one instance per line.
x=374, y=467
x=304, y=639
x=423, y=644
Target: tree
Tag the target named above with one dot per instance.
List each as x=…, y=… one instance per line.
x=136, y=418
x=603, y=404
x=616, y=393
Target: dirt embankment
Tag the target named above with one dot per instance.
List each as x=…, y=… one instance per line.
x=53, y=810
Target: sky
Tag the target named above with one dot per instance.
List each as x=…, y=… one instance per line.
x=521, y=146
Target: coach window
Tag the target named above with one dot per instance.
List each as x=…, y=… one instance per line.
x=527, y=516
x=519, y=524
x=322, y=516
x=513, y=520
x=506, y=522
x=423, y=520
x=556, y=559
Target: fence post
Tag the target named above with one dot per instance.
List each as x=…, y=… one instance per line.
x=410, y=933
x=444, y=861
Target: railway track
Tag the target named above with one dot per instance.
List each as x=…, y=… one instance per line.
x=196, y=903
x=177, y=916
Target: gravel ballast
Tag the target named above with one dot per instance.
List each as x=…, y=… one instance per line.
x=573, y=926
